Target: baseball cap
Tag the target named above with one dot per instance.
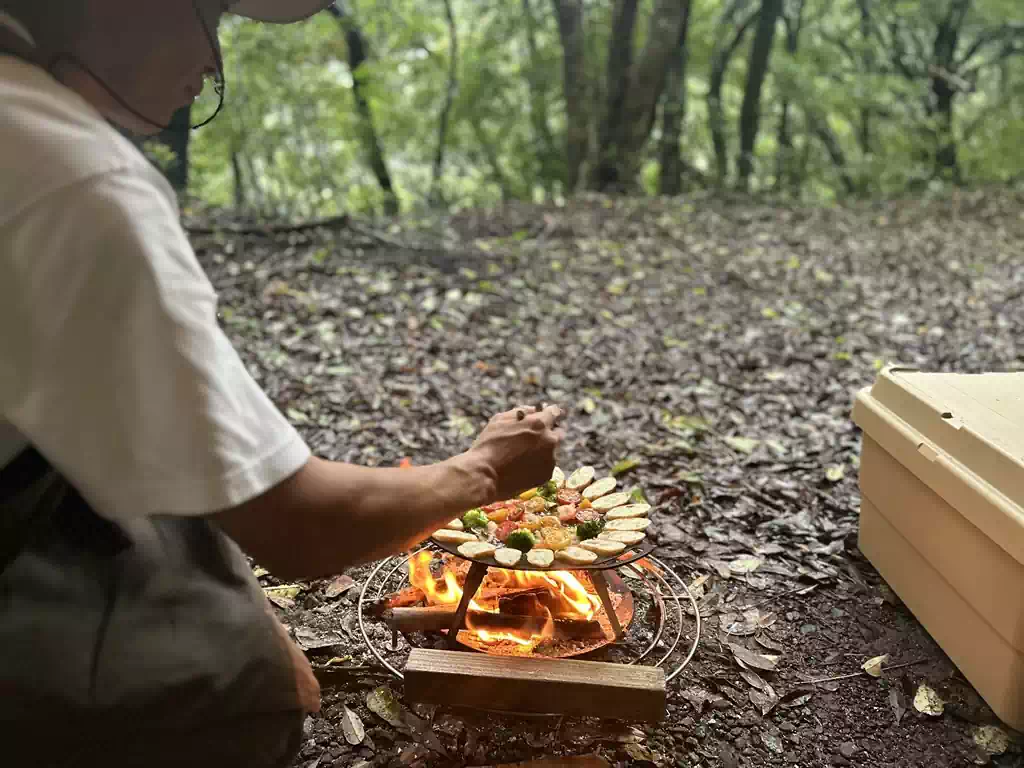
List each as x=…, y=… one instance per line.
x=279, y=11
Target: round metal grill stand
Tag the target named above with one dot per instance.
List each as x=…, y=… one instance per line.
x=650, y=571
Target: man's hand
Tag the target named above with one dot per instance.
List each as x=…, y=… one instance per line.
x=519, y=451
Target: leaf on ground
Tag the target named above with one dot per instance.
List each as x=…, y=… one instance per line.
x=587, y=405
x=768, y=642
x=765, y=700
x=722, y=568
x=639, y=752
x=421, y=730
x=834, y=474
x=734, y=624
x=382, y=702
x=339, y=585
x=753, y=679
x=772, y=741
x=928, y=702
x=742, y=444
x=313, y=640
x=691, y=478
x=756, y=660
x=286, y=591
x=624, y=466
x=352, y=726
x=745, y=565
x=874, y=665
x=898, y=702
x=637, y=496
x=991, y=739
x=259, y=572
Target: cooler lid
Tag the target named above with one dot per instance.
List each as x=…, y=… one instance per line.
x=975, y=424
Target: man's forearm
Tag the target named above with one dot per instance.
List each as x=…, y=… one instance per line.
x=329, y=516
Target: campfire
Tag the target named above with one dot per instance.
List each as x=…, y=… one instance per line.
x=513, y=613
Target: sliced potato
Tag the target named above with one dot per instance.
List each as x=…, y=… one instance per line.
x=626, y=537
x=540, y=558
x=600, y=488
x=577, y=555
x=558, y=477
x=629, y=524
x=455, y=525
x=475, y=549
x=611, y=501
x=454, y=537
x=603, y=546
x=630, y=510
x=507, y=556
x=580, y=479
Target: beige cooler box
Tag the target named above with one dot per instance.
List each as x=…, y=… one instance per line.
x=942, y=517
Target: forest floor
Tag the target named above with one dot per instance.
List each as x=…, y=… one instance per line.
x=716, y=346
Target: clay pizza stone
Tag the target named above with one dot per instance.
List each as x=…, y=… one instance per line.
x=600, y=488
x=448, y=536
x=629, y=524
x=606, y=503
x=580, y=479
x=627, y=511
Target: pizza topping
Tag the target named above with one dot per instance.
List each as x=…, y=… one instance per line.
x=474, y=549
x=630, y=524
x=521, y=539
x=610, y=502
x=577, y=555
x=475, y=518
x=454, y=537
x=540, y=558
x=507, y=556
x=626, y=537
x=603, y=546
x=527, y=495
x=536, y=506
x=589, y=529
x=498, y=515
x=630, y=510
x=565, y=496
x=496, y=506
x=517, y=510
x=580, y=479
x=585, y=504
x=567, y=513
x=505, y=529
x=550, y=521
x=548, y=490
x=588, y=515
x=555, y=539
x=600, y=488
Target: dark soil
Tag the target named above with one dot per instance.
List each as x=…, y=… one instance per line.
x=720, y=347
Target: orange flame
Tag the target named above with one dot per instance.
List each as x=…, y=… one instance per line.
x=445, y=590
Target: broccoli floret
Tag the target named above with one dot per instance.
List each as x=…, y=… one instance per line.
x=548, y=490
x=475, y=518
x=589, y=529
x=522, y=540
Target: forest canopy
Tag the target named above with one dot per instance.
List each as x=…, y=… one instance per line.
x=399, y=105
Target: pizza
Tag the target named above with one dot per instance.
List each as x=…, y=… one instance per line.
x=574, y=520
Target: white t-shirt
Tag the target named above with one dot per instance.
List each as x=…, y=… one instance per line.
x=111, y=361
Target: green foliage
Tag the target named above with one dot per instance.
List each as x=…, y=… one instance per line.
x=292, y=143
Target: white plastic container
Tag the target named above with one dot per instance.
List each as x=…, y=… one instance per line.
x=942, y=517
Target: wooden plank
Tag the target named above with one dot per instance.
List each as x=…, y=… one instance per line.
x=537, y=686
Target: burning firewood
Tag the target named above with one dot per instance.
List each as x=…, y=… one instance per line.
x=439, y=617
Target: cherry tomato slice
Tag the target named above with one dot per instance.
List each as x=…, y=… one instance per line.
x=496, y=506
x=505, y=529
x=567, y=514
x=568, y=496
x=588, y=515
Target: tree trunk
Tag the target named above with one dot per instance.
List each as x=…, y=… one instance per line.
x=574, y=84
x=357, y=55
x=238, y=182
x=436, y=196
x=757, y=70
x=864, y=129
x=621, y=153
x=549, y=154
x=493, y=160
x=673, y=115
x=720, y=57
x=617, y=83
x=821, y=128
x=784, y=175
x=944, y=92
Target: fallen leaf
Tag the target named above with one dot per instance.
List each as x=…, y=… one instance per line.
x=753, y=679
x=874, y=666
x=734, y=624
x=259, y=572
x=420, y=729
x=773, y=742
x=352, y=727
x=691, y=478
x=764, y=700
x=745, y=565
x=339, y=585
x=770, y=643
x=721, y=567
x=742, y=444
x=624, y=466
x=587, y=405
x=898, y=702
x=287, y=591
x=991, y=739
x=928, y=702
x=382, y=702
x=639, y=752
x=757, y=660
x=834, y=474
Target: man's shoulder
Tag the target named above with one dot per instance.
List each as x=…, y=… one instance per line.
x=51, y=139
